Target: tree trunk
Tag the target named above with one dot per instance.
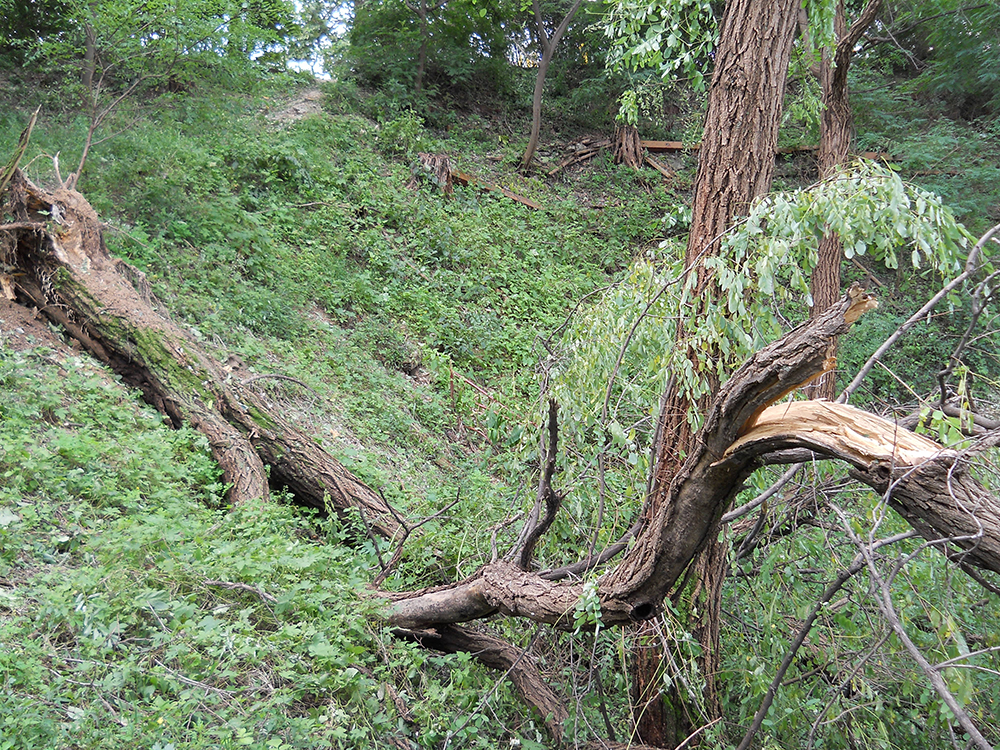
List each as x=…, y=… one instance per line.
x=835, y=136
x=536, y=104
x=739, y=433
x=735, y=166
x=422, y=52
x=89, y=58
x=626, y=146
x=548, y=46
x=736, y=160
x=69, y=275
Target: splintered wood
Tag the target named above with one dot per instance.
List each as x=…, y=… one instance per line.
x=583, y=150
x=837, y=430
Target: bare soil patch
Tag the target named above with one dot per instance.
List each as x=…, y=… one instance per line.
x=23, y=328
x=309, y=102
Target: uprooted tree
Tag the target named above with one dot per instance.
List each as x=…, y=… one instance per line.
x=61, y=266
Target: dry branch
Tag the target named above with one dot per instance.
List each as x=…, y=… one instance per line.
x=467, y=179
x=546, y=495
x=496, y=653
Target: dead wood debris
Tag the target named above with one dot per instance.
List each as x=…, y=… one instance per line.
x=433, y=167
x=437, y=168
x=467, y=179
x=626, y=147
x=581, y=150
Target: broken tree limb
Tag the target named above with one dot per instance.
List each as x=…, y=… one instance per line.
x=546, y=495
x=496, y=653
x=931, y=488
x=467, y=179
x=657, y=166
x=700, y=492
x=927, y=484
x=65, y=270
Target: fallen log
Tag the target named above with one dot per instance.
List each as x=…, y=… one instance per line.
x=927, y=484
x=669, y=146
x=658, y=167
x=64, y=269
x=579, y=157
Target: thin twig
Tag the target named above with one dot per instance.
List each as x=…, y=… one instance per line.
x=546, y=494
x=883, y=598
x=857, y=564
x=271, y=599
x=696, y=732
x=971, y=267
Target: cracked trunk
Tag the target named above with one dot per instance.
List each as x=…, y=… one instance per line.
x=736, y=164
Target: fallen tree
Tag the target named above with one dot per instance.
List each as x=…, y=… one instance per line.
x=62, y=267
x=929, y=485
x=56, y=260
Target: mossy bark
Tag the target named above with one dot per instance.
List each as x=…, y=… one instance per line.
x=65, y=270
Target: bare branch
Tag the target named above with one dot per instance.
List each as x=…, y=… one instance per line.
x=594, y=561
x=971, y=267
x=883, y=597
x=546, y=494
x=857, y=564
x=22, y=146
x=406, y=529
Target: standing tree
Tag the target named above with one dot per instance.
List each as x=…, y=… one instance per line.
x=547, y=42
x=835, y=135
x=717, y=426
x=124, y=47
x=735, y=166
x=422, y=10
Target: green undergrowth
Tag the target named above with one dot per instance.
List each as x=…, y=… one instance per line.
x=137, y=610
x=932, y=146
x=317, y=249
x=305, y=249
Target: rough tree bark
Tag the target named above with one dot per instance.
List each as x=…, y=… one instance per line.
x=835, y=137
x=65, y=270
x=735, y=166
x=933, y=487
